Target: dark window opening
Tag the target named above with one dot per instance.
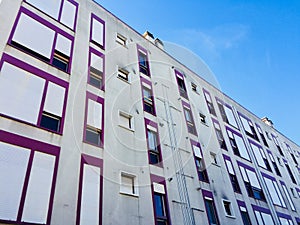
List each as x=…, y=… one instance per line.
x=221, y=139
x=93, y=135
x=148, y=100
x=160, y=209
x=202, y=172
x=227, y=207
x=294, y=159
x=29, y=51
x=276, y=169
x=223, y=113
x=211, y=212
x=96, y=77
x=246, y=218
x=254, y=192
x=290, y=173
x=143, y=64
x=234, y=147
x=280, y=150
x=264, y=140
x=211, y=108
x=235, y=184
x=50, y=122
x=60, y=61
x=182, y=88
x=268, y=167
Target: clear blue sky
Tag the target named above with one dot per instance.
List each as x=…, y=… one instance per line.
x=252, y=47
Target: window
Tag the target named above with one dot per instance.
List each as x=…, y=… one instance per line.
x=248, y=126
x=260, y=156
x=90, y=191
x=222, y=111
x=93, y=118
x=251, y=182
x=121, y=39
x=194, y=87
x=200, y=165
x=237, y=144
x=143, y=61
x=123, y=74
x=244, y=213
x=232, y=175
x=219, y=135
x=290, y=173
x=96, y=69
x=228, y=208
x=128, y=184
x=210, y=208
x=49, y=43
x=287, y=194
x=213, y=157
x=263, y=216
x=67, y=14
x=285, y=219
x=202, y=118
x=209, y=103
x=277, y=171
x=153, y=142
x=148, y=100
x=29, y=176
x=275, y=139
x=226, y=113
x=262, y=135
x=125, y=120
x=189, y=120
x=181, y=84
x=274, y=191
x=45, y=100
x=97, y=31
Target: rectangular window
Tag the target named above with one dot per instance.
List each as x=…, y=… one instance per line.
x=97, y=31
x=153, y=143
x=228, y=208
x=123, y=74
x=121, y=39
x=66, y=14
x=290, y=173
x=226, y=113
x=96, y=69
x=244, y=213
x=263, y=216
x=24, y=170
x=189, y=119
x=275, y=139
x=222, y=110
x=262, y=136
x=209, y=103
x=287, y=194
x=194, y=87
x=90, y=191
x=160, y=203
x=210, y=208
x=199, y=162
x=219, y=134
x=181, y=84
x=125, y=120
x=237, y=144
x=44, y=95
x=260, y=156
x=248, y=126
x=232, y=174
x=50, y=43
x=251, y=182
x=93, y=120
x=277, y=171
x=143, y=61
x=202, y=118
x=128, y=184
x=274, y=191
x=148, y=100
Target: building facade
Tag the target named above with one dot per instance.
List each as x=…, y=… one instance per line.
x=99, y=125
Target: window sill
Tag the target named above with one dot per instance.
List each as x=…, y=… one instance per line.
x=121, y=44
x=129, y=194
x=231, y=217
x=126, y=81
x=126, y=128
x=215, y=164
x=205, y=124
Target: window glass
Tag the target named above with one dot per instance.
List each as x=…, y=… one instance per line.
x=211, y=212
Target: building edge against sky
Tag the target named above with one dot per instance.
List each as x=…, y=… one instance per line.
x=100, y=126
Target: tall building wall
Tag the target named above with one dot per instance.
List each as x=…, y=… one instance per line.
x=99, y=125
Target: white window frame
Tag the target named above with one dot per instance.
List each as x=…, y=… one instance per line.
x=134, y=187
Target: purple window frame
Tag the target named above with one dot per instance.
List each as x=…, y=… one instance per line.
x=48, y=78
x=153, y=124
x=184, y=92
x=93, y=16
x=197, y=144
x=94, y=51
x=98, y=100
x=141, y=50
x=188, y=107
x=297, y=219
x=160, y=180
x=213, y=111
x=209, y=194
x=238, y=134
x=254, y=133
x=229, y=159
x=143, y=80
x=34, y=146
x=243, y=204
x=288, y=197
x=223, y=145
x=60, y=12
x=284, y=216
x=49, y=25
x=89, y=160
x=267, y=163
x=261, y=210
x=298, y=191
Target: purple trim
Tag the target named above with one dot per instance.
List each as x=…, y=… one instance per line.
x=196, y=143
x=226, y=157
x=282, y=183
x=153, y=124
x=207, y=193
x=143, y=80
x=241, y=203
x=101, y=101
x=179, y=74
x=269, y=152
x=157, y=179
x=48, y=78
x=206, y=92
x=60, y=9
x=187, y=105
x=215, y=121
x=94, y=51
x=143, y=50
x=284, y=160
x=34, y=146
x=89, y=160
x=146, y=81
x=297, y=189
x=93, y=16
x=252, y=142
x=268, y=176
x=245, y=166
x=297, y=219
x=234, y=132
x=76, y=13
x=261, y=209
x=282, y=215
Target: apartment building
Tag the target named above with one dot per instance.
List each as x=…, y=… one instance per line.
x=99, y=125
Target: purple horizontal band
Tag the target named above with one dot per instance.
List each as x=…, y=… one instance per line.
x=206, y=193
x=196, y=143
x=157, y=179
x=151, y=123
x=254, y=143
x=215, y=121
x=297, y=220
x=226, y=157
x=241, y=203
x=245, y=166
x=282, y=215
x=185, y=104
x=298, y=190
x=261, y=209
x=90, y=160
x=144, y=80
x=268, y=176
x=282, y=183
x=242, y=115
x=233, y=131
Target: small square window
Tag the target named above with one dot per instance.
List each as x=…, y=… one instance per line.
x=121, y=39
x=123, y=74
x=202, y=118
x=128, y=184
x=227, y=208
x=60, y=61
x=125, y=120
x=194, y=87
x=50, y=121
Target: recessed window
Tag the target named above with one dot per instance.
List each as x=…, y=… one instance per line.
x=125, y=120
x=128, y=184
x=153, y=147
x=202, y=118
x=123, y=74
x=194, y=87
x=60, y=60
x=121, y=39
x=213, y=157
x=143, y=63
x=227, y=208
x=93, y=135
x=181, y=86
x=190, y=121
x=211, y=212
x=148, y=100
x=50, y=121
